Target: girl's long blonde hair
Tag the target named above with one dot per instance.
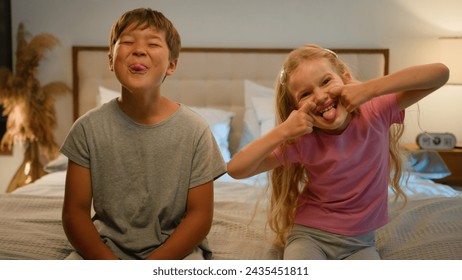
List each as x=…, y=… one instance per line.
x=288, y=181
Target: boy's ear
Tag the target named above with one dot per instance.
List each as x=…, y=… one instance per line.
x=171, y=67
x=110, y=59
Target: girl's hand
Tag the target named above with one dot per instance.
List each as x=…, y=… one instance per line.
x=299, y=122
x=351, y=95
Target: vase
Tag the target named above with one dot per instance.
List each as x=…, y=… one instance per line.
x=30, y=169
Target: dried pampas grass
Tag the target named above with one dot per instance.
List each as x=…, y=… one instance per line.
x=29, y=106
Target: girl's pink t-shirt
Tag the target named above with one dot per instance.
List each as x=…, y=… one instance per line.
x=348, y=173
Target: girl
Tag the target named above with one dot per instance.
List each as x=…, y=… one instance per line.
x=332, y=150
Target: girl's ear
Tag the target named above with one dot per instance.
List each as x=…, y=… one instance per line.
x=347, y=77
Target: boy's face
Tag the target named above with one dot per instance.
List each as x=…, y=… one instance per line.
x=140, y=59
x=310, y=82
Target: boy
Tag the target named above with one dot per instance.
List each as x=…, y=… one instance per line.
x=146, y=162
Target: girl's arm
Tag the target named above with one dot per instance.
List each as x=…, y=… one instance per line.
x=258, y=156
x=411, y=84
x=76, y=215
x=193, y=228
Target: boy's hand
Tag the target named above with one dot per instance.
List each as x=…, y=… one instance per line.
x=299, y=122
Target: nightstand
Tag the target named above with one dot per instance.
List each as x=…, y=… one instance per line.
x=453, y=159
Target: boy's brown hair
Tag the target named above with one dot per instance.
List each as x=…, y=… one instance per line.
x=145, y=18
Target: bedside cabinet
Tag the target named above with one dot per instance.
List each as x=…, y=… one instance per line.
x=453, y=159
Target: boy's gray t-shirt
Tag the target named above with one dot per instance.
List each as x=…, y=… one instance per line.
x=141, y=173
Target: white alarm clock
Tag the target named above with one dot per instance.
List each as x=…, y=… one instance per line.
x=436, y=141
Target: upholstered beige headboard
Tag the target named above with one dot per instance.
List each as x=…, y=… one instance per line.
x=210, y=77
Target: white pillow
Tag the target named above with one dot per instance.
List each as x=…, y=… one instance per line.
x=105, y=95
x=220, y=124
x=257, y=111
x=57, y=164
x=265, y=111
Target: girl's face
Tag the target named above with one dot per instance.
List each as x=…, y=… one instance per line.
x=140, y=59
x=310, y=82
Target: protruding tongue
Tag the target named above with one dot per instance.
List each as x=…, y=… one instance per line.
x=330, y=114
x=137, y=67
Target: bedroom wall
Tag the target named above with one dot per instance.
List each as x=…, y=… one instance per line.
x=409, y=28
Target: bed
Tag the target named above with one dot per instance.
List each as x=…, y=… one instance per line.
x=231, y=89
